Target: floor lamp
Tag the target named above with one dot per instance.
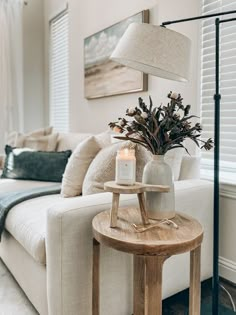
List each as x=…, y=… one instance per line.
x=165, y=53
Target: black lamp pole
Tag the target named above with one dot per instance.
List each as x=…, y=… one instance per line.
x=217, y=97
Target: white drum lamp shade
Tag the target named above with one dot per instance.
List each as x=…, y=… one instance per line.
x=155, y=50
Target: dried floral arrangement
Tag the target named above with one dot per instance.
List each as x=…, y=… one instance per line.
x=160, y=129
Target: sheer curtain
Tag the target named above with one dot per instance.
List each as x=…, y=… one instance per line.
x=11, y=68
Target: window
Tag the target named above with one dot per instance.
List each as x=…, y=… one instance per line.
x=59, y=73
x=227, y=88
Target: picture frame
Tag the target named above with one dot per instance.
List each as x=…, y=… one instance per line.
x=104, y=77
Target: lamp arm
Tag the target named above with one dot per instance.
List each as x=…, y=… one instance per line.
x=227, y=20
x=198, y=17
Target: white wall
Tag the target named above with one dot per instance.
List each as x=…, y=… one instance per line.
x=34, y=76
x=88, y=17
x=54, y=7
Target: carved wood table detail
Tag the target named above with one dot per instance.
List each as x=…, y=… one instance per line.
x=150, y=249
x=139, y=189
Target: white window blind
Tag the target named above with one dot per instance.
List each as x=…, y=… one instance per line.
x=59, y=72
x=227, y=86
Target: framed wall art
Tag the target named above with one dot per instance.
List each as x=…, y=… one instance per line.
x=104, y=77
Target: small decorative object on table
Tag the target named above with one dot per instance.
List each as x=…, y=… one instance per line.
x=160, y=129
x=125, y=167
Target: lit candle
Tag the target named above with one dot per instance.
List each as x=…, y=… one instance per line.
x=125, y=167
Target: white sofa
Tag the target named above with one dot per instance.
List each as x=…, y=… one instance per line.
x=47, y=245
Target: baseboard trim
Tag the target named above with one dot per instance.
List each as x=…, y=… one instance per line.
x=227, y=269
x=228, y=191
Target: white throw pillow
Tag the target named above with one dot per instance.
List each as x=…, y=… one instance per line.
x=77, y=167
x=104, y=138
x=102, y=168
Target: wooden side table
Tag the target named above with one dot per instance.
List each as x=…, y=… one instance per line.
x=150, y=249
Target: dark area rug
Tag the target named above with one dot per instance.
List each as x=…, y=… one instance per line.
x=178, y=303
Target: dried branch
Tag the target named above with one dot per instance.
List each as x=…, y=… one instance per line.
x=162, y=128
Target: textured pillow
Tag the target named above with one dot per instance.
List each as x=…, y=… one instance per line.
x=11, y=138
x=77, y=167
x=43, y=143
x=102, y=168
x=34, y=165
x=16, y=139
x=104, y=138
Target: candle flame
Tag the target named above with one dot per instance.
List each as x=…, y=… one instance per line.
x=126, y=151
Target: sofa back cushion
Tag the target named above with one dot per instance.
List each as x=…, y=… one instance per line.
x=69, y=141
x=190, y=167
x=23, y=163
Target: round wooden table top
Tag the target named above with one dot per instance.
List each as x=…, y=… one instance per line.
x=163, y=239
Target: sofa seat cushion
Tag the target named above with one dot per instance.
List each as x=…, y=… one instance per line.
x=8, y=184
x=26, y=222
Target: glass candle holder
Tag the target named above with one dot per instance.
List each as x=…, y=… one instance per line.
x=125, y=167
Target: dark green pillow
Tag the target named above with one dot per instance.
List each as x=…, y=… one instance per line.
x=34, y=165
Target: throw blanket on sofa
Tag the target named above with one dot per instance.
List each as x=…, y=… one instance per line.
x=10, y=199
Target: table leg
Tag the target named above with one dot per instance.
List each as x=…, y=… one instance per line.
x=95, y=279
x=114, y=209
x=148, y=284
x=144, y=215
x=195, y=282
x=154, y=265
x=139, y=285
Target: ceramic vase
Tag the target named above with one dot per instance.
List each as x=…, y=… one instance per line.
x=159, y=205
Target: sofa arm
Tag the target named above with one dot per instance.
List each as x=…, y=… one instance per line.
x=194, y=198
x=69, y=252
x=69, y=258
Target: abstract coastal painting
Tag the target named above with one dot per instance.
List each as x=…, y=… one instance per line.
x=104, y=77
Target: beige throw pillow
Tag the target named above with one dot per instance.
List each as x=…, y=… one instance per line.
x=11, y=138
x=104, y=138
x=43, y=143
x=77, y=167
x=16, y=139
x=102, y=168
x=41, y=132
